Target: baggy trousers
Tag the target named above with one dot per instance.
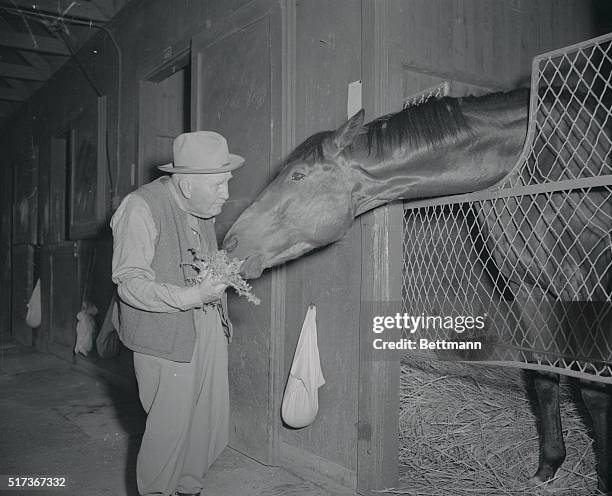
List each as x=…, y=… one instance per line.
x=187, y=407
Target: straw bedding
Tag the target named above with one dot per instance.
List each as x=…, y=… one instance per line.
x=468, y=429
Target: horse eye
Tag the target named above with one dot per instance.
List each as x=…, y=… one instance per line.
x=297, y=176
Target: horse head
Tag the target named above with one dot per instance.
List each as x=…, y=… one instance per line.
x=308, y=204
x=429, y=150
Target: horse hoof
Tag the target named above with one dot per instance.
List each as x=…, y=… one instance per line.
x=540, y=483
x=535, y=481
x=546, y=486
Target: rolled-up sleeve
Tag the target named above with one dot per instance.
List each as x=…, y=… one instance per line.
x=134, y=239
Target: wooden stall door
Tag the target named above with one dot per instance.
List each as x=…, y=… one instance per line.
x=57, y=189
x=24, y=238
x=163, y=115
x=61, y=296
x=23, y=283
x=25, y=196
x=233, y=94
x=87, y=172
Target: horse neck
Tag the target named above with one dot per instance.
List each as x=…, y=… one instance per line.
x=470, y=161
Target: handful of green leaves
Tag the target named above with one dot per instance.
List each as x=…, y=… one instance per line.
x=224, y=269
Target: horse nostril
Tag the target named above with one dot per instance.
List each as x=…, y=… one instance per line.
x=252, y=267
x=230, y=244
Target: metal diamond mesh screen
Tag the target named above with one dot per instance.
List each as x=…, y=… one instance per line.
x=532, y=255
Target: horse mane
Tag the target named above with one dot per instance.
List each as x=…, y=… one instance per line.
x=435, y=122
x=430, y=124
x=310, y=149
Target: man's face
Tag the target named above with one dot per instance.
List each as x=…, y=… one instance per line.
x=205, y=194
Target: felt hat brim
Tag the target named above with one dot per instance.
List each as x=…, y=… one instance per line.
x=235, y=161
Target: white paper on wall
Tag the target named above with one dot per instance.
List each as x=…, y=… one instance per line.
x=353, y=101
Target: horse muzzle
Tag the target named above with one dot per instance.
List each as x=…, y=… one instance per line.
x=253, y=260
x=253, y=266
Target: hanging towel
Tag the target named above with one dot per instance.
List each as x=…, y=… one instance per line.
x=33, y=316
x=301, y=397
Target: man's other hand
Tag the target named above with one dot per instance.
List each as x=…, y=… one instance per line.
x=211, y=289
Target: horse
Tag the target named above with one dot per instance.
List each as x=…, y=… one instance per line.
x=444, y=147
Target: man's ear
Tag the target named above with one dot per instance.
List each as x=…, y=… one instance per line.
x=344, y=135
x=184, y=185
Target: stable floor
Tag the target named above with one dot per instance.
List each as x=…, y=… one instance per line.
x=56, y=420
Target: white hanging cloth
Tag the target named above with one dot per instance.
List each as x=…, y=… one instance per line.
x=301, y=397
x=33, y=315
x=85, y=328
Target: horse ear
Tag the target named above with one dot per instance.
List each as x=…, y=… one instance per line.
x=345, y=134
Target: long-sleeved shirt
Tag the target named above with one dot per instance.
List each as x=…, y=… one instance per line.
x=134, y=239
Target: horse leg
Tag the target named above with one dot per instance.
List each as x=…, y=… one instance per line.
x=597, y=400
x=552, y=447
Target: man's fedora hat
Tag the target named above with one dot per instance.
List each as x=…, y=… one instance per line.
x=201, y=152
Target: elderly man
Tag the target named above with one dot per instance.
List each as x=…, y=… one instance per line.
x=178, y=331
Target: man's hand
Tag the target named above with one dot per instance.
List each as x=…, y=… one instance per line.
x=211, y=289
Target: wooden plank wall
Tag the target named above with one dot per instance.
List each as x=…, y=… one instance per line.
x=476, y=43
x=328, y=57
